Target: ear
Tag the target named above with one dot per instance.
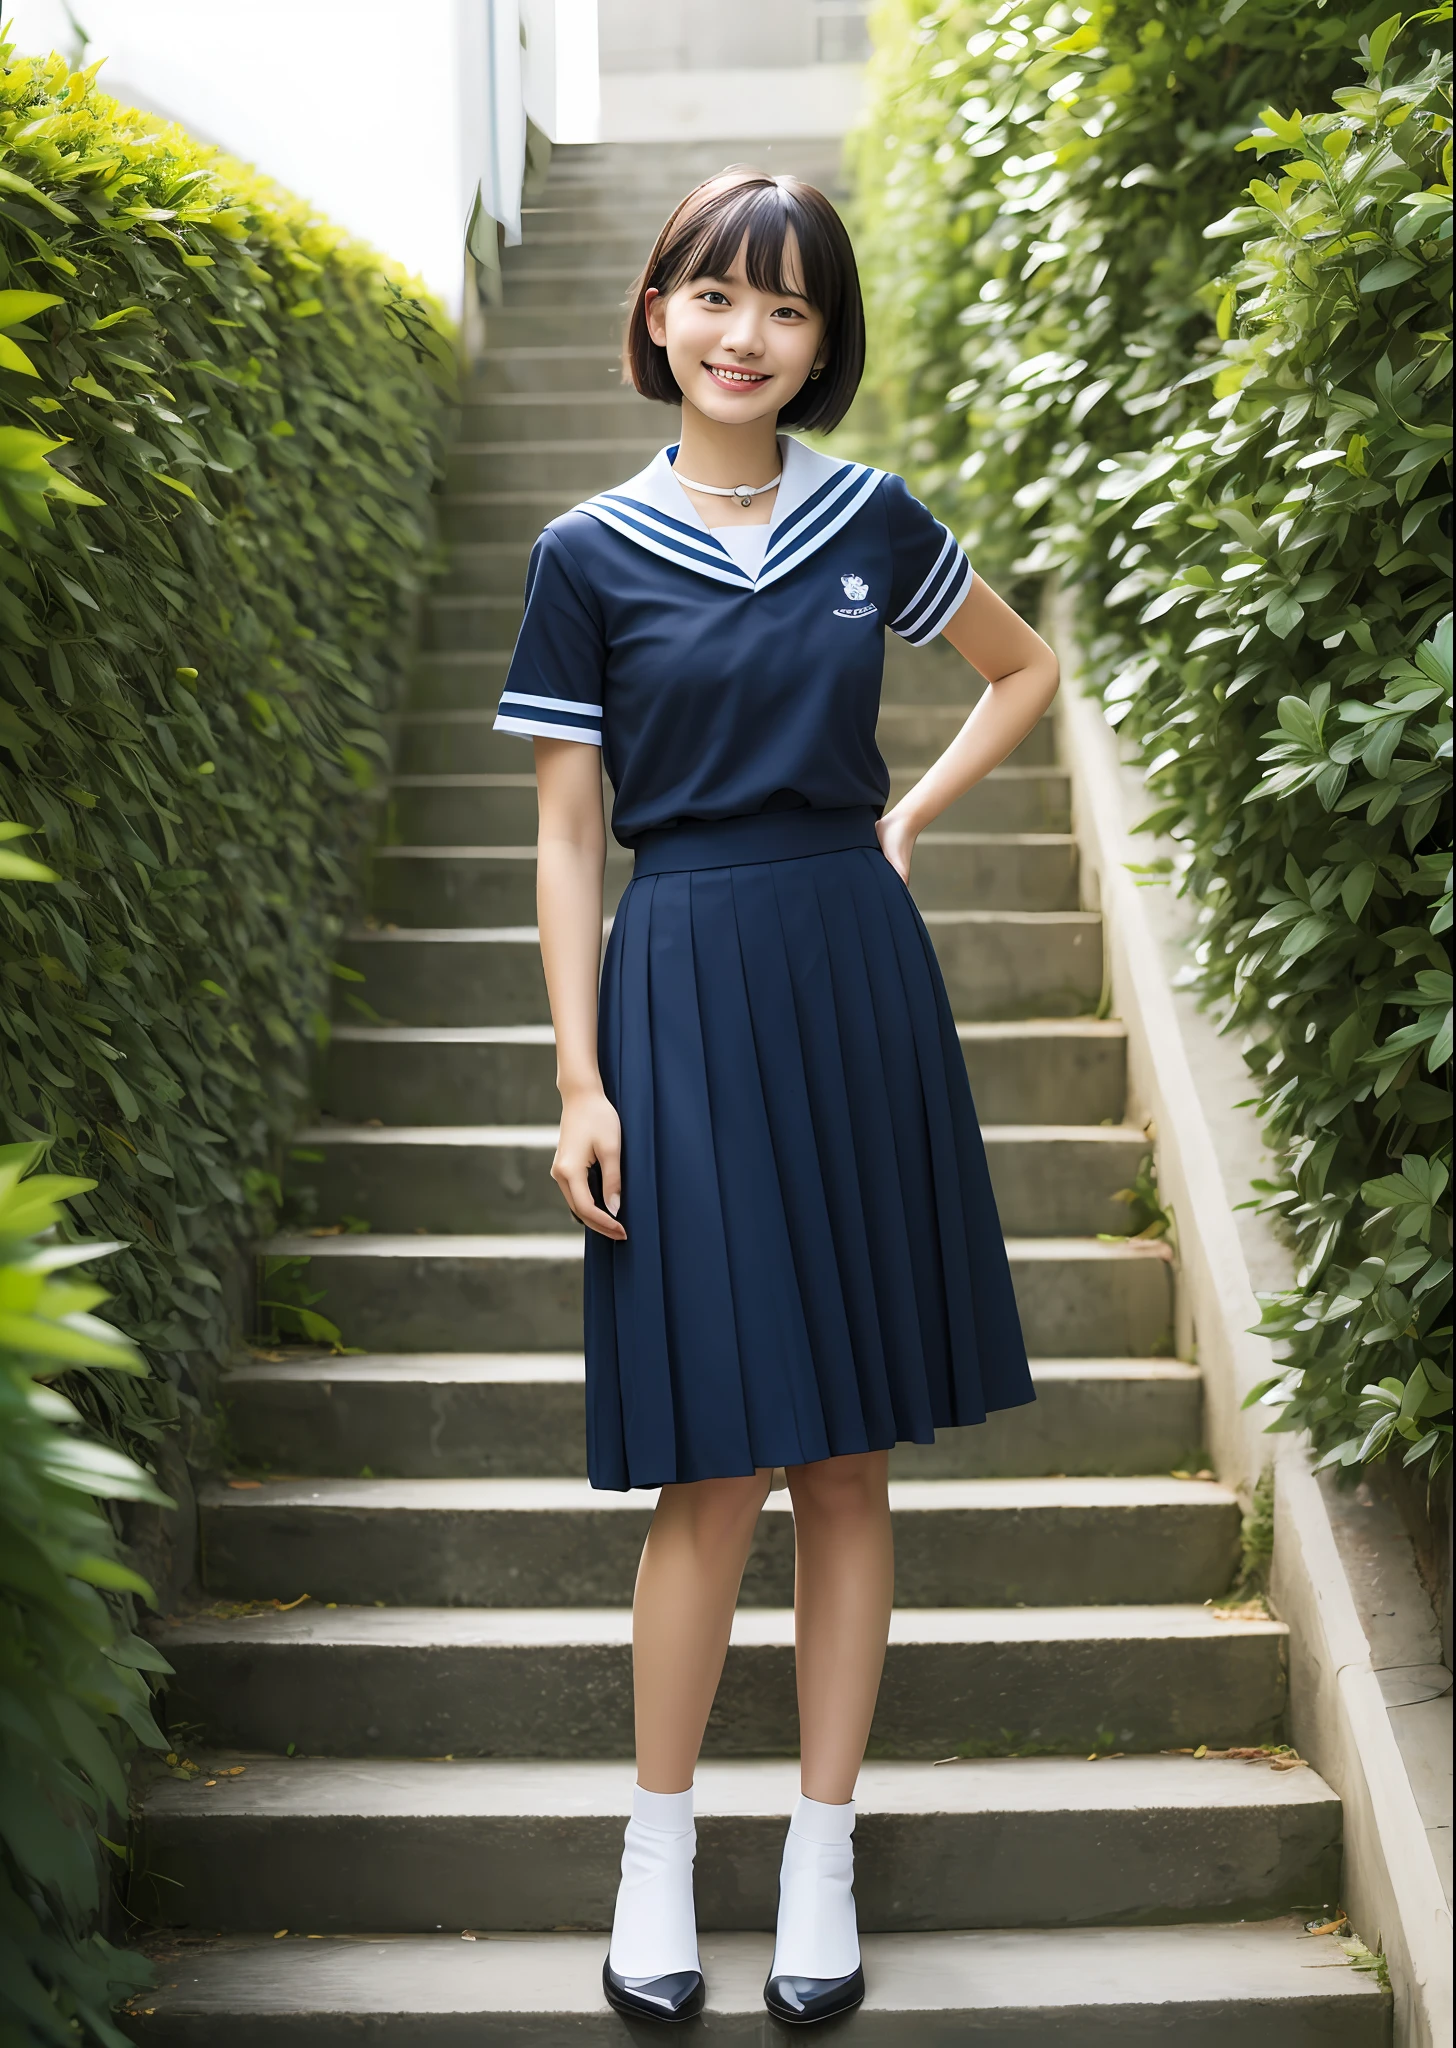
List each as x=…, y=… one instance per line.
x=652, y=308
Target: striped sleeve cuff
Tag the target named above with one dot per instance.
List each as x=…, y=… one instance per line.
x=939, y=596
x=549, y=718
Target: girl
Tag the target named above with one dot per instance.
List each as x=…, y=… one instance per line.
x=793, y=1257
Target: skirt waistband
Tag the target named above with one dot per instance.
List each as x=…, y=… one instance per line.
x=745, y=842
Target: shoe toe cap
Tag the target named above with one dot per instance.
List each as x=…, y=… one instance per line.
x=813, y=1998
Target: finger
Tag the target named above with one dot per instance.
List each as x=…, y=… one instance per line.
x=611, y=1166
x=574, y=1185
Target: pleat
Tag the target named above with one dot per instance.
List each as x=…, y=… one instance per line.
x=874, y=1027
x=944, y=1234
x=1002, y=1377
x=753, y=1128
x=814, y=1160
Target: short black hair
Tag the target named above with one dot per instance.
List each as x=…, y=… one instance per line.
x=702, y=238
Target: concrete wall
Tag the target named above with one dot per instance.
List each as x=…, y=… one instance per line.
x=692, y=70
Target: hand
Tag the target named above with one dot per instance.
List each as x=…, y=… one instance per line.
x=897, y=842
x=590, y=1135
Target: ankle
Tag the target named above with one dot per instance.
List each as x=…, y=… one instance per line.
x=670, y=1812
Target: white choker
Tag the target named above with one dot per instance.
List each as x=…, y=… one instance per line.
x=744, y=493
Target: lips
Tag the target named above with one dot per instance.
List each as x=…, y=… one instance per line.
x=740, y=380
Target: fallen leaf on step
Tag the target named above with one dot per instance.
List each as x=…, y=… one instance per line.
x=244, y=1485
x=327, y=1230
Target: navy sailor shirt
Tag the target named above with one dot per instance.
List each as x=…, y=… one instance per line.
x=715, y=692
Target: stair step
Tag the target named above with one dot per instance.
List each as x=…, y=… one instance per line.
x=552, y=286
x=538, y=1542
x=581, y=467
x=1092, y=1987
x=557, y=1682
x=1004, y=964
x=1042, y=1071
x=479, y=1415
x=496, y=885
x=564, y=415
x=472, y=622
x=500, y=810
x=323, y=1845
x=1052, y=1180
x=562, y=367
x=439, y=886
x=1078, y=1297
x=566, y=367
x=434, y=980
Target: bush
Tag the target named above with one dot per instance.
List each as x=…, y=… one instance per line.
x=1262, y=587
x=1293, y=692
x=1034, y=183
x=70, y=1663
x=223, y=421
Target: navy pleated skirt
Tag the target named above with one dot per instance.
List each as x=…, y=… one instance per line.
x=813, y=1263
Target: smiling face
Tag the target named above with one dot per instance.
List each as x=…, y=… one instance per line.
x=737, y=351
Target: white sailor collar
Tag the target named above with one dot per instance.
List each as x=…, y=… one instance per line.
x=818, y=495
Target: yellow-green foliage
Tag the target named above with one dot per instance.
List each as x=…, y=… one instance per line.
x=222, y=419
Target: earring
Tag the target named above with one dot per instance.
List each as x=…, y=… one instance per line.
x=815, y=375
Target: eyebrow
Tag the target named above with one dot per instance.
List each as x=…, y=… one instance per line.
x=711, y=277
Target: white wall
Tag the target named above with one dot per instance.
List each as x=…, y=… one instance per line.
x=353, y=104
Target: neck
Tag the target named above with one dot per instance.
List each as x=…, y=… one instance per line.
x=713, y=452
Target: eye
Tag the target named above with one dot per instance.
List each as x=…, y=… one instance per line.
x=715, y=298
x=787, y=313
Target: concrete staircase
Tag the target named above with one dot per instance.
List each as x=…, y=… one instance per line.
x=421, y=1772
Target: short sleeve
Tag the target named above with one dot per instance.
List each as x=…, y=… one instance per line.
x=553, y=687
x=931, y=574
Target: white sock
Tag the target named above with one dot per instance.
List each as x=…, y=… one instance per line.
x=654, y=1929
x=818, y=1935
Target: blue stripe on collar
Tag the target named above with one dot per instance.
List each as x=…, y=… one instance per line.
x=638, y=511
x=842, y=503
x=638, y=523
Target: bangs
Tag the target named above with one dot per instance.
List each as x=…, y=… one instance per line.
x=752, y=212
x=710, y=241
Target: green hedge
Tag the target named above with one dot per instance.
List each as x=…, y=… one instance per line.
x=70, y=1664
x=1260, y=545
x=223, y=422
x=221, y=427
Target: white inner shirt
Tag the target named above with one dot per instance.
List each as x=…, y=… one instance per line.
x=746, y=544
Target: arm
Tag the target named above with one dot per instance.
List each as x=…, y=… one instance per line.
x=1021, y=673
x=571, y=858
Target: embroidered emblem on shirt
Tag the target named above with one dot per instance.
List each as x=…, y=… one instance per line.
x=856, y=590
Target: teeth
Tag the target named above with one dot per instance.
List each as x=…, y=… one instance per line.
x=736, y=376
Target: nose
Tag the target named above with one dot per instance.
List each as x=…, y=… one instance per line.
x=745, y=337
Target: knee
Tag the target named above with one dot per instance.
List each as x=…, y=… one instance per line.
x=713, y=1513
x=852, y=1488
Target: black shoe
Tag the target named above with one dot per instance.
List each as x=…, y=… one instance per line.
x=803, y=2001
x=679, y=1997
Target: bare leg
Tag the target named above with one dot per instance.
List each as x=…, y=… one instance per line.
x=687, y=1588
x=844, y=1587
